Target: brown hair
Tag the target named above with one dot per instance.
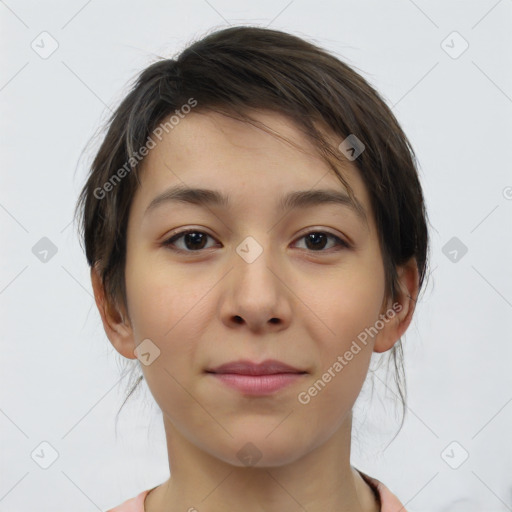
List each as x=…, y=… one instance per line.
x=235, y=71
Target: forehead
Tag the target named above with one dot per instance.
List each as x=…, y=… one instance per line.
x=210, y=150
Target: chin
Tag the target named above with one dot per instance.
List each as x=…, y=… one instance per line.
x=259, y=448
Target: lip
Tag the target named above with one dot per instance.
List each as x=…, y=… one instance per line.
x=245, y=367
x=252, y=378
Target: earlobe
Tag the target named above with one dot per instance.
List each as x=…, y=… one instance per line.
x=400, y=313
x=115, y=322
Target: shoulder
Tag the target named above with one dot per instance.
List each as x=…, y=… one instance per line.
x=389, y=502
x=133, y=504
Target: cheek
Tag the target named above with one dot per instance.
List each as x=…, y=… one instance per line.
x=162, y=299
x=166, y=307
x=171, y=307
x=348, y=305
x=343, y=359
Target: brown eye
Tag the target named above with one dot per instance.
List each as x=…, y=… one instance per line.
x=193, y=240
x=188, y=241
x=318, y=240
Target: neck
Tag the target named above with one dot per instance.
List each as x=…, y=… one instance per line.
x=320, y=480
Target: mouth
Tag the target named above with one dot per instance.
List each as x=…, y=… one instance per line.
x=251, y=378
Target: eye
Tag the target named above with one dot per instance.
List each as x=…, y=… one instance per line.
x=193, y=240
x=317, y=241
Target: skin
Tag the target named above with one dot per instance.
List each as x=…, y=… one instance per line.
x=207, y=307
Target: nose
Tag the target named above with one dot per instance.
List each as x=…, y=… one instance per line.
x=255, y=295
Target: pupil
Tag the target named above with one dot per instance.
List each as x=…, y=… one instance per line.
x=195, y=238
x=315, y=238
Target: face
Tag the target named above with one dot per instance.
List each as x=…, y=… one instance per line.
x=252, y=280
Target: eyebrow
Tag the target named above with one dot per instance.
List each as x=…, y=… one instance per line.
x=292, y=200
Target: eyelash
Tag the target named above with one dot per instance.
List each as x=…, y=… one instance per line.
x=169, y=243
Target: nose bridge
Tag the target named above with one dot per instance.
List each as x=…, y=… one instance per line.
x=256, y=294
x=252, y=269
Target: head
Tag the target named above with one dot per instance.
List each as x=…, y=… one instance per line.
x=256, y=115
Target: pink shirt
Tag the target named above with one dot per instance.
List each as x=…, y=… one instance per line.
x=389, y=502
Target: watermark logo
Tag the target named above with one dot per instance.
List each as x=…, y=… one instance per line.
x=455, y=455
x=249, y=455
x=44, y=250
x=454, y=45
x=454, y=249
x=44, y=45
x=146, y=352
x=351, y=147
x=44, y=455
x=249, y=249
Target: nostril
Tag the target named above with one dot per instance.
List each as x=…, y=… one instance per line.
x=238, y=319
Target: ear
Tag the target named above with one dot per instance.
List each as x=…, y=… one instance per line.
x=115, y=320
x=401, y=310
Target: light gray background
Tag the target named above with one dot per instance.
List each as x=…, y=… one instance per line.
x=60, y=377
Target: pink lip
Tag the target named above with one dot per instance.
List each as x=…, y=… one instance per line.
x=257, y=384
x=256, y=378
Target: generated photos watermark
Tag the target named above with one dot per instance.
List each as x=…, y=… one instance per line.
x=304, y=397
x=170, y=123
